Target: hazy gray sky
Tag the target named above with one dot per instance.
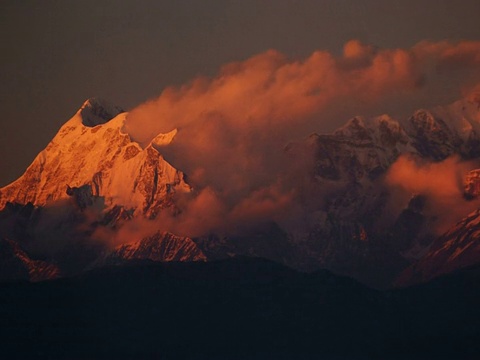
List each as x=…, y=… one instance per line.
x=56, y=54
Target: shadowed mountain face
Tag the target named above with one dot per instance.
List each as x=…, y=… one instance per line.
x=15, y=264
x=95, y=196
x=237, y=309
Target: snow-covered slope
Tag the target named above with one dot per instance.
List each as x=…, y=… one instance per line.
x=91, y=149
x=161, y=246
x=91, y=178
x=447, y=130
x=456, y=249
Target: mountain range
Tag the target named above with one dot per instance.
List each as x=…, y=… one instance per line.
x=95, y=197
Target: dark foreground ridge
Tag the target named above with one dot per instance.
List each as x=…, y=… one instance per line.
x=241, y=308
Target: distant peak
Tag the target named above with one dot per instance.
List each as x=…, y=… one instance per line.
x=96, y=111
x=355, y=127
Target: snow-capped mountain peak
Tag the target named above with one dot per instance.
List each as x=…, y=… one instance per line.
x=92, y=149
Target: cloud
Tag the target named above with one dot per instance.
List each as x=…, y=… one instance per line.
x=207, y=212
x=449, y=56
x=442, y=179
x=441, y=183
x=233, y=128
x=472, y=92
x=269, y=90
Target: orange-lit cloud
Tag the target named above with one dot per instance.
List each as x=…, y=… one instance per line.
x=232, y=128
x=441, y=183
x=271, y=90
x=472, y=92
x=447, y=55
x=442, y=179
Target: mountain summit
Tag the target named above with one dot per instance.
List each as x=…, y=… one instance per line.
x=92, y=150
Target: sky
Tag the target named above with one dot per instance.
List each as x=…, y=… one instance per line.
x=56, y=54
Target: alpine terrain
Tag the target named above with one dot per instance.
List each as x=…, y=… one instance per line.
x=95, y=197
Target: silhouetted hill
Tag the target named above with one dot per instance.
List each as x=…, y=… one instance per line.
x=241, y=308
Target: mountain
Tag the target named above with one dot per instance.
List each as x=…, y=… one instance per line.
x=355, y=230
x=458, y=248
x=448, y=130
x=90, y=178
x=239, y=308
x=90, y=157
x=76, y=204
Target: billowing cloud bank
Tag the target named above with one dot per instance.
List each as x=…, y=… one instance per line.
x=232, y=128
